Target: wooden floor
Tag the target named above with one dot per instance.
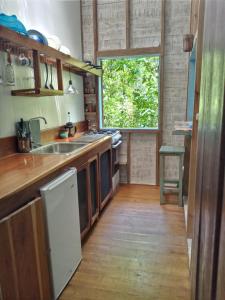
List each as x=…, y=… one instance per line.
x=137, y=251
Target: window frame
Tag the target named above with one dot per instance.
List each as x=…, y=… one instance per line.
x=100, y=95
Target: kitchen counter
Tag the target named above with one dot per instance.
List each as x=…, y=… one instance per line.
x=19, y=171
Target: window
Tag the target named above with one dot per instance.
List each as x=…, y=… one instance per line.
x=129, y=95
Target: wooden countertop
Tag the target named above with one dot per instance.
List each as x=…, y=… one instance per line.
x=18, y=171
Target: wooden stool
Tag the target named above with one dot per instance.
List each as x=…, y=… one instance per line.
x=177, y=188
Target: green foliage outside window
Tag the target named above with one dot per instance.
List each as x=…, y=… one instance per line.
x=130, y=92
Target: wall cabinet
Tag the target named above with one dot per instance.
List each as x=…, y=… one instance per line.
x=24, y=272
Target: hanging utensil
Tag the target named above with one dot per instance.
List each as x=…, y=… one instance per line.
x=9, y=71
x=51, y=85
x=46, y=81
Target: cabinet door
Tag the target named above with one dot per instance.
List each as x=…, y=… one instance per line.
x=83, y=198
x=24, y=272
x=94, y=190
x=105, y=177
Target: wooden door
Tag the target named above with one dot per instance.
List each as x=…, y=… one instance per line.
x=24, y=270
x=94, y=188
x=220, y=289
x=105, y=165
x=210, y=157
x=83, y=198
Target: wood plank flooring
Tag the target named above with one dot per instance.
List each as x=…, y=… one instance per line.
x=137, y=251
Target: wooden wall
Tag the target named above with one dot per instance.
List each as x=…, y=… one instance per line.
x=139, y=24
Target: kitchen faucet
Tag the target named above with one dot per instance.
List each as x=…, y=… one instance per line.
x=33, y=143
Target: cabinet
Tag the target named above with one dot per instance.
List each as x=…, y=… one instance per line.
x=83, y=198
x=94, y=188
x=24, y=272
x=88, y=193
x=105, y=162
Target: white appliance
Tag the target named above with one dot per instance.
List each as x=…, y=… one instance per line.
x=60, y=197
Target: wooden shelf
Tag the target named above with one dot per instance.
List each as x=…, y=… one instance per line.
x=17, y=41
x=37, y=92
x=93, y=113
x=123, y=164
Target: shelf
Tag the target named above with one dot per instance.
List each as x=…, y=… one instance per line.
x=171, y=190
x=17, y=41
x=123, y=164
x=90, y=114
x=37, y=92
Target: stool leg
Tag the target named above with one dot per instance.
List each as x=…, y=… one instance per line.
x=162, y=198
x=181, y=180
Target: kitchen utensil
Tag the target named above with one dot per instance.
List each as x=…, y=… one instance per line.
x=54, y=42
x=12, y=23
x=65, y=50
x=22, y=130
x=23, y=60
x=37, y=36
x=51, y=85
x=9, y=71
x=23, y=144
x=46, y=81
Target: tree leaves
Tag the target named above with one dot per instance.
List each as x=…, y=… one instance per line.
x=131, y=92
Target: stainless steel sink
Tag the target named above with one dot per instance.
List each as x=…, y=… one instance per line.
x=59, y=148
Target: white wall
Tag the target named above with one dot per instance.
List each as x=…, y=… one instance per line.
x=61, y=18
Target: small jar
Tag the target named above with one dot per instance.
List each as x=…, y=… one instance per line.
x=63, y=134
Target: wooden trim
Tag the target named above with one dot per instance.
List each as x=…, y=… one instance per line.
x=37, y=72
x=8, y=146
x=127, y=3
x=157, y=160
x=33, y=210
x=97, y=103
x=59, y=74
x=141, y=130
x=79, y=168
x=95, y=29
x=105, y=201
x=12, y=252
x=193, y=154
x=81, y=28
x=94, y=218
x=129, y=52
x=128, y=157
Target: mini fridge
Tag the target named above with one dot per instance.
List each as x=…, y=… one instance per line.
x=60, y=198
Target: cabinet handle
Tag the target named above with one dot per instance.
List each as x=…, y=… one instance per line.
x=117, y=144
